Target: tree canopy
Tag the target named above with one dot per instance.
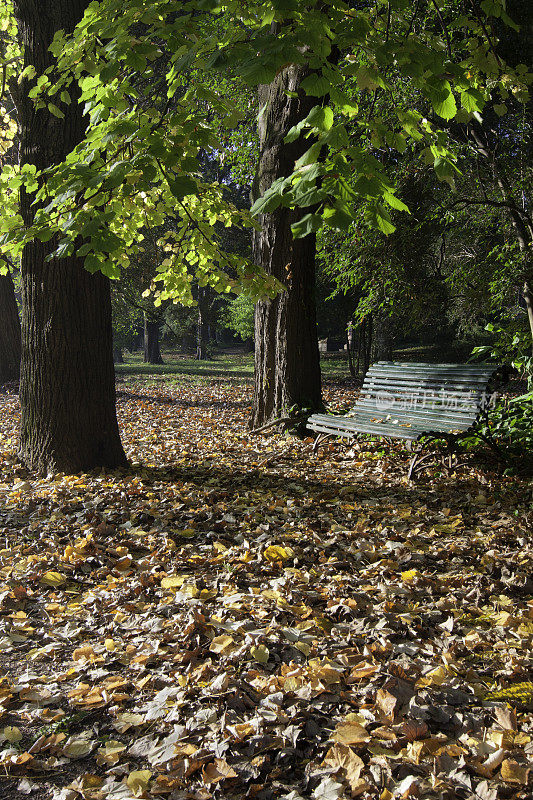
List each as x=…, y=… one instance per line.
x=146, y=78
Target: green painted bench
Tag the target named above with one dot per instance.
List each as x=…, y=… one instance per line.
x=413, y=401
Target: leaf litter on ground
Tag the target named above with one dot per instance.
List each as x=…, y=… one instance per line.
x=234, y=618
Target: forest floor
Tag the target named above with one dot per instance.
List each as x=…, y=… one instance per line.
x=234, y=618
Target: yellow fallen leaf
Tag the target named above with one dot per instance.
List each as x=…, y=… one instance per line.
x=260, y=653
x=351, y=732
x=434, y=678
x=410, y=575
x=110, y=645
x=277, y=553
x=127, y=720
x=221, y=643
x=110, y=753
x=513, y=772
x=84, y=653
x=12, y=734
x=53, y=579
x=172, y=581
x=138, y=781
x=302, y=647
x=89, y=781
x=78, y=747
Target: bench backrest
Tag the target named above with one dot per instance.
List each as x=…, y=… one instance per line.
x=443, y=396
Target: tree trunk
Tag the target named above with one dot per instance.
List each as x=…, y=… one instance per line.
x=117, y=355
x=287, y=366
x=67, y=388
x=9, y=331
x=152, y=353
x=350, y=339
x=382, y=340
x=202, y=328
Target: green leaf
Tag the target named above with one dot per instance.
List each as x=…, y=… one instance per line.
x=294, y=133
x=395, y=202
x=443, y=101
x=320, y=117
x=109, y=71
x=339, y=216
x=472, y=100
x=316, y=85
x=53, y=109
x=368, y=78
x=337, y=137
x=182, y=185
x=308, y=224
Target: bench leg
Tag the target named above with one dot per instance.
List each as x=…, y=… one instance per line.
x=412, y=465
x=416, y=463
x=320, y=438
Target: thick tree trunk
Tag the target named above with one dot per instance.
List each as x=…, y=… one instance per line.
x=152, y=352
x=117, y=355
x=67, y=388
x=287, y=367
x=9, y=331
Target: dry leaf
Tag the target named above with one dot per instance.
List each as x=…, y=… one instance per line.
x=54, y=579
x=513, y=772
x=139, y=781
x=351, y=733
x=12, y=734
x=340, y=756
x=217, y=771
x=221, y=643
x=260, y=653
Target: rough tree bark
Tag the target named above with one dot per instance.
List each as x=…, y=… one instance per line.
x=287, y=366
x=152, y=352
x=67, y=388
x=9, y=331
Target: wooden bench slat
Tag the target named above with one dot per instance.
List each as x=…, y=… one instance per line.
x=421, y=380
x=419, y=424
x=419, y=367
x=424, y=380
x=428, y=393
x=377, y=430
x=422, y=416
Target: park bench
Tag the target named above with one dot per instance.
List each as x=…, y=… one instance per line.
x=413, y=401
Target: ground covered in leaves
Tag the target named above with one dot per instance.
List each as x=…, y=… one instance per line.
x=233, y=618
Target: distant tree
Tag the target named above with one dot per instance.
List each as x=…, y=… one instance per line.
x=238, y=317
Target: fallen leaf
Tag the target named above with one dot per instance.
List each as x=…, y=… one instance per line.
x=513, y=772
x=139, y=781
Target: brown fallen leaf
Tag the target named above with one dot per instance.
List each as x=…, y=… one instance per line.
x=342, y=757
x=350, y=732
x=506, y=717
x=217, y=771
x=413, y=730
